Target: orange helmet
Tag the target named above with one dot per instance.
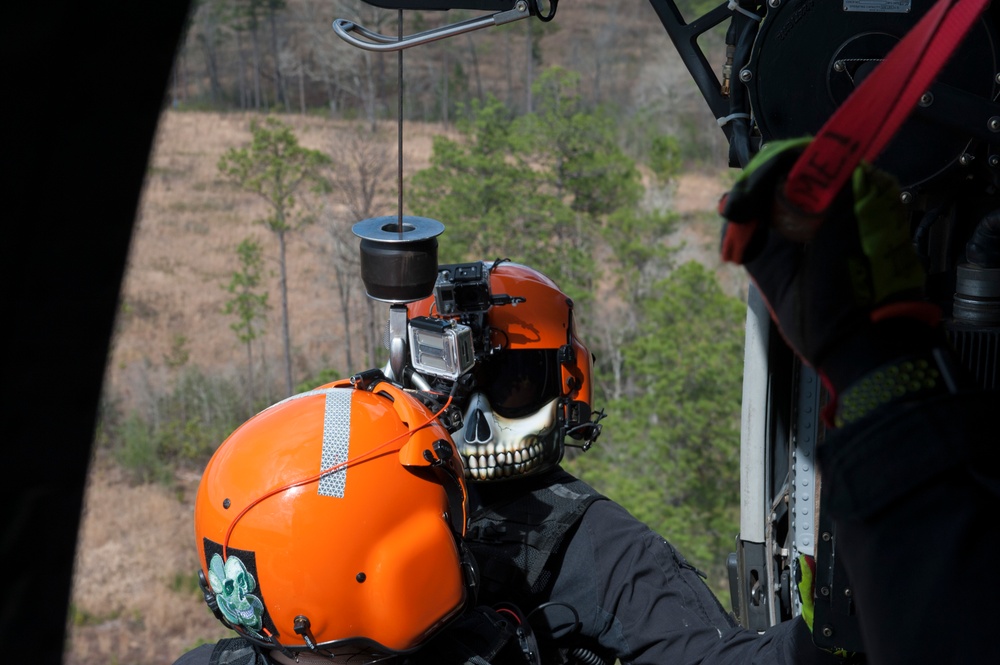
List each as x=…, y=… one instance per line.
x=532, y=387
x=331, y=522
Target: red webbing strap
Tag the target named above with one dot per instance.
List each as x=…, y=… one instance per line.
x=865, y=122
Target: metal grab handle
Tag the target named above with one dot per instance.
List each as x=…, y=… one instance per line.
x=385, y=43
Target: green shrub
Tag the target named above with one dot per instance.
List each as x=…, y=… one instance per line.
x=180, y=428
x=138, y=451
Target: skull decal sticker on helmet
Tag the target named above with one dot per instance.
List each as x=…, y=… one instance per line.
x=232, y=584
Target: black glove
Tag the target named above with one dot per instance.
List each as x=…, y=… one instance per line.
x=838, y=286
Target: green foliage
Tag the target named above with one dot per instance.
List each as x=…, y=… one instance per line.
x=489, y=197
x=670, y=448
x=137, y=450
x=248, y=306
x=665, y=156
x=324, y=376
x=179, y=353
x=578, y=148
x=536, y=189
x=640, y=255
x=81, y=617
x=183, y=427
x=185, y=584
x=275, y=167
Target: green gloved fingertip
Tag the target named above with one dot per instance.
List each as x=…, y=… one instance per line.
x=804, y=575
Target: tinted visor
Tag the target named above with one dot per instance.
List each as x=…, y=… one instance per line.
x=519, y=382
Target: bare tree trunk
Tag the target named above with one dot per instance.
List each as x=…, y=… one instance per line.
x=371, y=93
x=279, y=84
x=285, y=334
x=244, y=91
x=372, y=337
x=302, y=86
x=212, y=65
x=257, y=92
x=266, y=371
x=508, y=68
x=250, y=388
x=475, y=66
x=346, y=275
x=331, y=94
x=445, y=101
x=529, y=73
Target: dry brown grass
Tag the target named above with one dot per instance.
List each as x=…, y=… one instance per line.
x=184, y=247
x=136, y=541
x=135, y=544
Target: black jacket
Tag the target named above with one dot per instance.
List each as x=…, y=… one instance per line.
x=636, y=597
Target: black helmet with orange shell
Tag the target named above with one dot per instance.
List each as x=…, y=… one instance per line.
x=331, y=523
x=532, y=383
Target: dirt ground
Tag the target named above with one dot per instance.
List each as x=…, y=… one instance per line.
x=135, y=599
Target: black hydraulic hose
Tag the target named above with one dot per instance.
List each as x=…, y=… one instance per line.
x=983, y=248
x=739, y=143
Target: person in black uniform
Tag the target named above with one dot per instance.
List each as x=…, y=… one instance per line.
x=597, y=584
x=329, y=531
x=912, y=469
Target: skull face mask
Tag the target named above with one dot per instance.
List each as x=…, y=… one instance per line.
x=511, y=427
x=496, y=448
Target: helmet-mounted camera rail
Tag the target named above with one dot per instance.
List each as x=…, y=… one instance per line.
x=505, y=11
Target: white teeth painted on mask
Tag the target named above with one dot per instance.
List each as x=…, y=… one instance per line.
x=468, y=450
x=472, y=462
x=481, y=450
x=509, y=459
x=492, y=471
x=517, y=457
x=490, y=448
x=482, y=461
x=491, y=462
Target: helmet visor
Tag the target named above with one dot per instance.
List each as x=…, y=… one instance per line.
x=519, y=382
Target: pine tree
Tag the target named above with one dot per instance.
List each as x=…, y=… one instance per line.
x=276, y=168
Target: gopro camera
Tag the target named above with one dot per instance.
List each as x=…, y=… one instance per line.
x=441, y=348
x=462, y=288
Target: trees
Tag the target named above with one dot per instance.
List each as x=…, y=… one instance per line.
x=483, y=188
x=276, y=168
x=670, y=447
x=247, y=305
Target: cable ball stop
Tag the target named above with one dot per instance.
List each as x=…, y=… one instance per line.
x=398, y=257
